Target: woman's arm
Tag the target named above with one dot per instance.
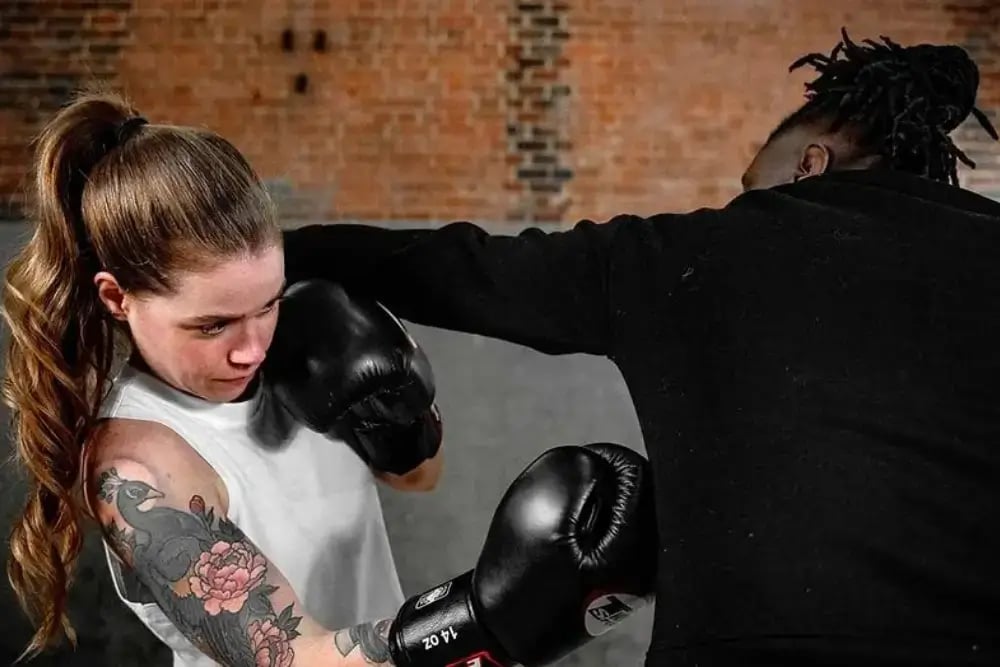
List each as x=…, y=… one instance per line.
x=424, y=477
x=162, y=509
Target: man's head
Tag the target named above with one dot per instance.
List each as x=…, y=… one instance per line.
x=874, y=105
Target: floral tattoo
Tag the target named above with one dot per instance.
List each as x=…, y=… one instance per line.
x=204, y=573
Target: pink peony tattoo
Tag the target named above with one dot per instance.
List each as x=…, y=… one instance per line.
x=270, y=644
x=224, y=576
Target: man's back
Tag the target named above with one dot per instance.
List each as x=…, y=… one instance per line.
x=817, y=374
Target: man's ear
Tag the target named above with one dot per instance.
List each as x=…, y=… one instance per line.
x=816, y=159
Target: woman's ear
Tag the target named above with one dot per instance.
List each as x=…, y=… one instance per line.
x=111, y=294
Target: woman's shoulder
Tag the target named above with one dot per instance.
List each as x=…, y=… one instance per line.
x=147, y=441
x=145, y=447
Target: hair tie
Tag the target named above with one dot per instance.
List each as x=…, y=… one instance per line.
x=128, y=128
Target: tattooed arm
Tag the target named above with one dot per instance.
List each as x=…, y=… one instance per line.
x=163, y=511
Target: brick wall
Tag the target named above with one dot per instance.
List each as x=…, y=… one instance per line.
x=476, y=109
x=977, y=23
x=46, y=50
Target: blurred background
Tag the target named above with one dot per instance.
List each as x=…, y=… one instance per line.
x=406, y=112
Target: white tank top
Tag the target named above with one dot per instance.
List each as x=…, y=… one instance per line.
x=305, y=500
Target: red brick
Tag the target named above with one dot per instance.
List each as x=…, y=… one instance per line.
x=407, y=109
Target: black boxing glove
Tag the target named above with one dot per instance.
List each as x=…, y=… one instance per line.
x=347, y=367
x=571, y=551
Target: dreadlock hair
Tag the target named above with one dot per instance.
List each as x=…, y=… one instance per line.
x=898, y=103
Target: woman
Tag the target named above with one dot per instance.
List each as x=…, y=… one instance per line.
x=262, y=535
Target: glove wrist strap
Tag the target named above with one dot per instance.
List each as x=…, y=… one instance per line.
x=439, y=628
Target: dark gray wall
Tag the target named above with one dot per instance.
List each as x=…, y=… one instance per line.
x=502, y=404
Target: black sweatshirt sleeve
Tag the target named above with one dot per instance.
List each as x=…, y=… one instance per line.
x=546, y=290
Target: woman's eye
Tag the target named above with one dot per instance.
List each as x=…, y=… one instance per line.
x=213, y=329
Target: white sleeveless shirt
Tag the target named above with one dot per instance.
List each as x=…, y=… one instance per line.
x=305, y=500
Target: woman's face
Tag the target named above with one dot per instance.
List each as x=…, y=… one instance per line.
x=209, y=337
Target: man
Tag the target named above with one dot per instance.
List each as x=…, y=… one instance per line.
x=815, y=369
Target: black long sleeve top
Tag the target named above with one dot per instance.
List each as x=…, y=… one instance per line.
x=816, y=372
